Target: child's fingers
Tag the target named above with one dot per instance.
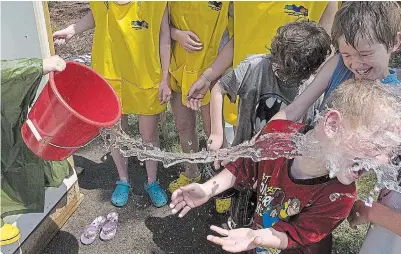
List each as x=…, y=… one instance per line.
x=219, y=230
x=257, y=240
x=193, y=35
x=59, y=42
x=198, y=104
x=188, y=49
x=192, y=104
x=175, y=201
x=178, y=207
x=192, y=47
x=184, y=211
x=177, y=194
x=58, y=68
x=167, y=97
x=160, y=96
x=225, y=163
x=220, y=240
x=217, y=164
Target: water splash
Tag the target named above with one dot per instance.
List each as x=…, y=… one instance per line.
x=334, y=196
x=267, y=147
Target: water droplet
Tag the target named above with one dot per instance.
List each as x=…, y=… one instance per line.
x=334, y=196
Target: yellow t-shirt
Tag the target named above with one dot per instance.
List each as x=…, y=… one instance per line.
x=126, y=52
x=208, y=20
x=255, y=25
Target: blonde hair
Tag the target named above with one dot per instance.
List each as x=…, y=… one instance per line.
x=367, y=102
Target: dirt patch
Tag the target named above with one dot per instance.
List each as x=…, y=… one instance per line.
x=63, y=14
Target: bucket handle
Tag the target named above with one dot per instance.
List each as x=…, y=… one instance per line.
x=38, y=137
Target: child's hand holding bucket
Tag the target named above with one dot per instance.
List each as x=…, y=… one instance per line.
x=53, y=63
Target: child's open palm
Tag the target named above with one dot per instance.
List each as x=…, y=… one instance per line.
x=188, y=197
x=236, y=240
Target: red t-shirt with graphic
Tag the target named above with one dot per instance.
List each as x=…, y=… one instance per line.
x=307, y=210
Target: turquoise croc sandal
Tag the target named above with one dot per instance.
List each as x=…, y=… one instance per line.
x=156, y=194
x=119, y=197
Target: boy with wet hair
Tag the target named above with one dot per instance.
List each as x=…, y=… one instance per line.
x=358, y=116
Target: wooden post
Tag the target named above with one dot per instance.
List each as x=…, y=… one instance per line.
x=48, y=27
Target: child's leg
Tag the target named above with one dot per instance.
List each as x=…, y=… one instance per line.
x=121, y=161
x=185, y=121
x=205, y=111
x=148, y=127
x=120, y=194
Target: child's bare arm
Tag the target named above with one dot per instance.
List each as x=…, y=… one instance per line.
x=193, y=195
x=223, y=61
x=165, y=55
x=377, y=214
x=300, y=105
x=220, y=183
x=63, y=36
x=216, y=116
x=327, y=18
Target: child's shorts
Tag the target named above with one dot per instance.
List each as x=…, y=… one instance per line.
x=135, y=100
x=182, y=80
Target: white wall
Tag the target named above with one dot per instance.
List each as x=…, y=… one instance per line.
x=23, y=31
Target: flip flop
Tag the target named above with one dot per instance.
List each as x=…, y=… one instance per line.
x=109, y=229
x=91, y=232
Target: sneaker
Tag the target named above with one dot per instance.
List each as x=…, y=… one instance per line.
x=182, y=181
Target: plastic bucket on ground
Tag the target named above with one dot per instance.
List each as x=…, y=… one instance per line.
x=69, y=112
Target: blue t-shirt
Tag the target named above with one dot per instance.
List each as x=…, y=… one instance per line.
x=342, y=73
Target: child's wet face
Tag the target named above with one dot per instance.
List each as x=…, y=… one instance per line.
x=367, y=60
x=362, y=144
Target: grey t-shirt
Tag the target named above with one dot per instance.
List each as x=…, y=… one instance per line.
x=262, y=94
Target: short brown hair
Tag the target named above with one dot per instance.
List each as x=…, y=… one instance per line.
x=298, y=49
x=374, y=21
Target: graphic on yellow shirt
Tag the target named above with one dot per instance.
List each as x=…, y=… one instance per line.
x=208, y=20
x=251, y=37
x=126, y=52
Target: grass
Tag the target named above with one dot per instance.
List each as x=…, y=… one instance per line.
x=395, y=60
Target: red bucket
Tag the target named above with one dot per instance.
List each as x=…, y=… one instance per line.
x=69, y=112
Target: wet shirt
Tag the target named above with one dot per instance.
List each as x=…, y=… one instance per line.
x=306, y=210
x=262, y=94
